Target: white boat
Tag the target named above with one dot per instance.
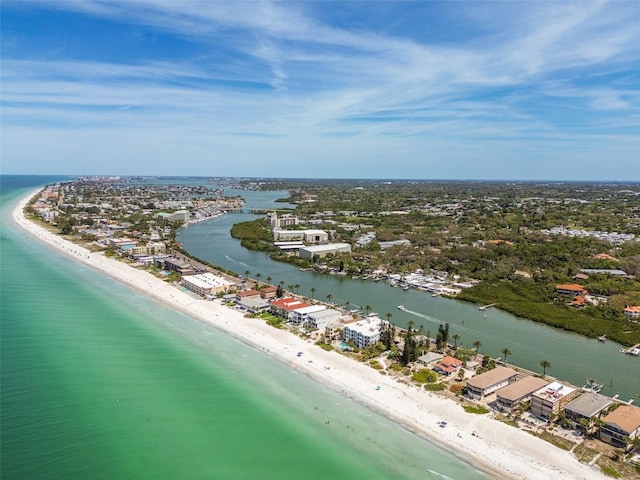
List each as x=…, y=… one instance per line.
x=401, y=307
x=592, y=387
x=602, y=338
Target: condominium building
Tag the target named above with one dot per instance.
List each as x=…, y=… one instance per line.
x=551, y=399
x=510, y=397
x=205, y=284
x=486, y=383
x=621, y=426
x=365, y=332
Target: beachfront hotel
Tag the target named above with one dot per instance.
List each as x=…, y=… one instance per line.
x=551, y=399
x=206, y=284
x=486, y=383
x=364, y=332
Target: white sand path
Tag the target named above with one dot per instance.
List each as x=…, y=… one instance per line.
x=501, y=450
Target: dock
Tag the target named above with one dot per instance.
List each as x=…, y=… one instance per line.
x=635, y=350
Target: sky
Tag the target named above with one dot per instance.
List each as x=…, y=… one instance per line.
x=508, y=90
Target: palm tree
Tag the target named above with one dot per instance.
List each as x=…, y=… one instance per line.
x=291, y=286
x=456, y=339
x=545, y=364
x=246, y=273
x=296, y=286
x=346, y=304
x=329, y=297
x=258, y=275
x=269, y=279
x=506, y=352
x=477, y=344
x=313, y=291
x=367, y=308
x=389, y=317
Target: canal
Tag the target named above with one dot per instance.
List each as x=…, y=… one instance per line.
x=572, y=357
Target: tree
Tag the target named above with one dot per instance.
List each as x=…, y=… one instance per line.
x=506, y=352
x=388, y=315
x=367, y=308
x=545, y=364
x=456, y=339
x=313, y=291
x=296, y=286
x=329, y=297
x=246, y=274
x=269, y=279
x=477, y=344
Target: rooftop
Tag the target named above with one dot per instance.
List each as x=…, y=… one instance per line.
x=625, y=416
x=522, y=387
x=486, y=379
x=589, y=404
x=554, y=391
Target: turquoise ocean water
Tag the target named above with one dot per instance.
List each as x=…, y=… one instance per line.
x=100, y=382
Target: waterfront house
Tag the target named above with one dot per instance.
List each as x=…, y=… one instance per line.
x=632, y=311
x=448, y=365
x=486, y=383
x=551, y=399
x=269, y=292
x=254, y=305
x=244, y=294
x=430, y=358
x=621, y=426
x=571, y=289
x=512, y=396
x=586, y=407
x=284, y=307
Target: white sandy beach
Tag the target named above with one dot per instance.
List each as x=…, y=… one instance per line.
x=499, y=449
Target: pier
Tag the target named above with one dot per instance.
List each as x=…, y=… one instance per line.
x=484, y=307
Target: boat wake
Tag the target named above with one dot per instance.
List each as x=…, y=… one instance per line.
x=421, y=315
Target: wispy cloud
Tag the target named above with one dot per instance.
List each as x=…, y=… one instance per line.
x=283, y=77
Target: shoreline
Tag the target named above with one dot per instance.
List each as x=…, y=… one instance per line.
x=500, y=450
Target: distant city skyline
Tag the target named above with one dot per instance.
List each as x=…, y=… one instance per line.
x=386, y=90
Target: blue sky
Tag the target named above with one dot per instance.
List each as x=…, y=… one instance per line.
x=426, y=90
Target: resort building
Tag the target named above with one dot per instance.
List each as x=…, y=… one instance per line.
x=586, y=406
x=321, y=319
x=571, y=290
x=486, y=383
x=175, y=265
x=549, y=400
x=448, y=365
x=621, y=426
x=510, y=397
x=364, y=333
x=324, y=250
x=205, y=284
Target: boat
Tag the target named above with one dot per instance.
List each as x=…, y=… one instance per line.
x=602, y=338
x=592, y=386
x=401, y=307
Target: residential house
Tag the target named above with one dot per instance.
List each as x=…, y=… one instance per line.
x=488, y=382
x=284, y=307
x=551, y=399
x=269, y=292
x=621, y=426
x=431, y=358
x=448, y=365
x=512, y=396
x=632, y=311
x=571, y=289
x=244, y=294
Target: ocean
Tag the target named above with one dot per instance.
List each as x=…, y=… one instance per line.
x=101, y=382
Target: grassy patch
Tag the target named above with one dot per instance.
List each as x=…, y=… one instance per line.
x=612, y=472
x=507, y=420
x=434, y=387
x=559, y=442
x=617, y=469
x=325, y=346
x=425, y=376
x=476, y=410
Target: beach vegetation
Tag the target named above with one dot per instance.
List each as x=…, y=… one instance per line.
x=435, y=387
x=478, y=410
x=325, y=346
x=556, y=440
x=456, y=388
x=585, y=454
x=424, y=376
x=610, y=471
